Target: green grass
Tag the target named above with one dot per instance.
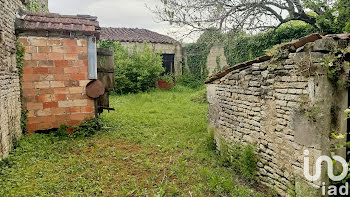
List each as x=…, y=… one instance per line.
x=154, y=144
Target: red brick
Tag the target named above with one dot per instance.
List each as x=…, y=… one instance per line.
x=70, y=56
x=86, y=63
x=56, y=70
x=28, y=92
x=30, y=114
x=76, y=90
x=47, y=77
x=71, y=83
x=76, y=63
x=60, y=97
x=38, y=42
x=70, y=42
x=46, y=63
x=73, y=122
x=83, y=83
x=40, y=70
x=58, y=111
x=64, y=117
x=42, y=84
x=82, y=43
x=34, y=106
x=40, y=56
x=27, y=85
x=29, y=99
x=24, y=41
x=30, y=77
x=27, y=56
x=30, y=63
x=71, y=70
x=34, y=120
x=55, y=56
x=87, y=109
x=50, y=105
x=54, y=42
x=61, y=63
x=45, y=126
x=84, y=69
x=82, y=56
x=48, y=119
x=62, y=77
x=32, y=128
x=91, y=102
x=59, y=49
x=74, y=110
x=46, y=91
x=79, y=76
x=30, y=49
x=45, y=49
x=61, y=91
x=57, y=84
x=27, y=70
x=44, y=98
x=75, y=96
x=44, y=112
x=78, y=116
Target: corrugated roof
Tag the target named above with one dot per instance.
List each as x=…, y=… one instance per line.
x=56, y=22
x=134, y=35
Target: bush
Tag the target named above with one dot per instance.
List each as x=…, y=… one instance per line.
x=188, y=80
x=200, y=96
x=136, y=71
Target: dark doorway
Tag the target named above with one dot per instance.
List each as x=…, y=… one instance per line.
x=168, y=63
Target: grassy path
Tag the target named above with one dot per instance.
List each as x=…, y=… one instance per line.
x=156, y=144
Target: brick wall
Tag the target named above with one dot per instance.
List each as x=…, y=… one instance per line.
x=283, y=107
x=54, y=82
x=10, y=109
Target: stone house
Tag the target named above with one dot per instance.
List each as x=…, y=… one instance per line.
x=169, y=48
x=60, y=61
x=284, y=104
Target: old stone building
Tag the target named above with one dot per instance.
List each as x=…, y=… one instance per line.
x=216, y=59
x=10, y=106
x=169, y=48
x=58, y=65
x=285, y=105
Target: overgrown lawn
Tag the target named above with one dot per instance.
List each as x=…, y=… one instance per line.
x=154, y=144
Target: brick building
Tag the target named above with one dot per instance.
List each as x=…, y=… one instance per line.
x=57, y=68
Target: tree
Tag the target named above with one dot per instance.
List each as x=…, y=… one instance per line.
x=246, y=14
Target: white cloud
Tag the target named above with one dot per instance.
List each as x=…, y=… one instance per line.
x=118, y=13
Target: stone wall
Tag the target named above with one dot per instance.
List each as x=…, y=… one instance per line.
x=163, y=49
x=54, y=82
x=216, y=59
x=10, y=106
x=283, y=107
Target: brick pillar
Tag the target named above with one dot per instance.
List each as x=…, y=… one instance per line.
x=54, y=82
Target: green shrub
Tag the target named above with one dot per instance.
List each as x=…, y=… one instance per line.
x=136, y=71
x=241, y=158
x=200, y=96
x=189, y=80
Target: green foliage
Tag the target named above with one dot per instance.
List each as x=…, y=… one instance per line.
x=88, y=128
x=189, y=80
x=157, y=143
x=33, y=5
x=198, y=52
x=20, y=52
x=168, y=78
x=241, y=47
x=240, y=157
x=136, y=71
x=200, y=96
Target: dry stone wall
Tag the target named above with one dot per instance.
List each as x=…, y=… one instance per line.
x=283, y=107
x=10, y=107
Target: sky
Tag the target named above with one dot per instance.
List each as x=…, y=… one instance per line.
x=119, y=13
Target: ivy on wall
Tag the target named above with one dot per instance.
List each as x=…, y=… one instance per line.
x=36, y=6
x=20, y=52
x=240, y=46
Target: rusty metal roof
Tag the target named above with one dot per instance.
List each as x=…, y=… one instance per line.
x=134, y=35
x=295, y=43
x=28, y=21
